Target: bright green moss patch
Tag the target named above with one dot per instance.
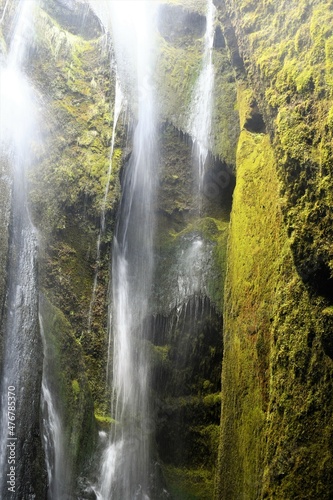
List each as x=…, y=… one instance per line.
x=289, y=54
x=254, y=248
x=104, y=422
x=277, y=368
x=76, y=387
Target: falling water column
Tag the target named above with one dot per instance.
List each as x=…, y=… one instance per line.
x=200, y=122
x=125, y=471
x=21, y=456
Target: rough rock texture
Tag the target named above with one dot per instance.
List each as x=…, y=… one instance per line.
x=186, y=318
x=72, y=399
x=75, y=16
x=179, y=65
x=276, y=438
x=70, y=68
x=68, y=184
x=5, y=206
x=274, y=82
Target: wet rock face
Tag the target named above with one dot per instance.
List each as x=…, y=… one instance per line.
x=254, y=122
x=176, y=23
x=219, y=40
x=186, y=360
x=296, y=341
x=5, y=200
x=75, y=16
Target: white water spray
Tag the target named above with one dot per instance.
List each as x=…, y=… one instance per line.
x=18, y=130
x=200, y=121
x=125, y=469
x=53, y=442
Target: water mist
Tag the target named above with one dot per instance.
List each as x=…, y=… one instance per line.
x=125, y=469
x=22, y=343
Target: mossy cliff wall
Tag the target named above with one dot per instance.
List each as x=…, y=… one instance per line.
x=70, y=67
x=273, y=62
x=276, y=427
x=181, y=26
x=185, y=325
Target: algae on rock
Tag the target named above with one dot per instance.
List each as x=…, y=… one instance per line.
x=69, y=182
x=277, y=371
x=186, y=323
x=178, y=69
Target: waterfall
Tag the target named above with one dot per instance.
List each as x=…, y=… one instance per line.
x=191, y=267
x=125, y=467
x=193, y=262
x=200, y=122
x=20, y=377
x=53, y=443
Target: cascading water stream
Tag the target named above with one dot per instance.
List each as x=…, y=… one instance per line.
x=200, y=122
x=118, y=105
x=19, y=129
x=196, y=253
x=125, y=470
x=52, y=432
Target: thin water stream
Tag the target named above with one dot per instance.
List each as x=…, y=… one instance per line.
x=200, y=122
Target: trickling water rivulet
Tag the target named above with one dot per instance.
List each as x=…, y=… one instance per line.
x=22, y=351
x=125, y=469
x=118, y=104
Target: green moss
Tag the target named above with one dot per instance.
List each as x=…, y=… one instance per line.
x=225, y=119
x=74, y=172
x=328, y=311
x=178, y=69
x=290, y=67
x=253, y=248
x=275, y=384
x=76, y=387
x=189, y=484
x=66, y=374
x=104, y=422
x=68, y=185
